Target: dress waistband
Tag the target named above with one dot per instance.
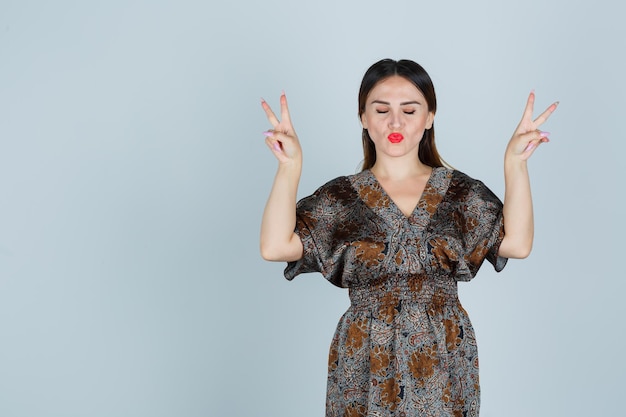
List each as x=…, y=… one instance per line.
x=391, y=290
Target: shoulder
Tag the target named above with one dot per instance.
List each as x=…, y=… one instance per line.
x=462, y=179
x=464, y=187
x=336, y=192
x=336, y=188
x=336, y=183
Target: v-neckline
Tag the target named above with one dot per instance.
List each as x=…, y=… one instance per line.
x=393, y=204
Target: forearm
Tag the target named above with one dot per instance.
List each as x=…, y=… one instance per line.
x=518, y=210
x=278, y=240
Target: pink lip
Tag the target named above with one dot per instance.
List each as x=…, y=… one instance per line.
x=395, y=137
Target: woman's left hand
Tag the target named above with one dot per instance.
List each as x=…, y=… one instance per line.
x=527, y=137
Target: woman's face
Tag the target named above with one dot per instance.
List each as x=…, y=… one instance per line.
x=396, y=115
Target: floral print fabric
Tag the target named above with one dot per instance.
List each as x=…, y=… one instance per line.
x=406, y=346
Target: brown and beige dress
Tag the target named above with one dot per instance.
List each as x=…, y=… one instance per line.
x=406, y=346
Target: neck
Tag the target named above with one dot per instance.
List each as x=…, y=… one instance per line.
x=393, y=169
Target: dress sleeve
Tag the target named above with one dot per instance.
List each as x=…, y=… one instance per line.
x=482, y=226
x=317, y=218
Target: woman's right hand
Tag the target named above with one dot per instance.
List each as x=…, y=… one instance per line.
x=278, y=240
x=282, y=139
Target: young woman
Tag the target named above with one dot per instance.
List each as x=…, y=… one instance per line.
x=399, y=235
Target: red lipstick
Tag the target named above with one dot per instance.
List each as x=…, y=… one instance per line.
x=395, y=137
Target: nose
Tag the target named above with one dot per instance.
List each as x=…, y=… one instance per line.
x=395, y=120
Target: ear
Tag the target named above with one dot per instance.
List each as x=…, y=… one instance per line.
x=430, y=120
x=364, y=121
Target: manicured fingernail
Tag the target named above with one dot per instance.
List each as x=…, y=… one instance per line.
x=276, y=147
x=268, y=133
x=530, y=147
x=544, y=134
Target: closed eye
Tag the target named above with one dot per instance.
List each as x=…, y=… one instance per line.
x=382, y=111
x=409, y=112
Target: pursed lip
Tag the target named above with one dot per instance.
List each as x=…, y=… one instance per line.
x=395, y=137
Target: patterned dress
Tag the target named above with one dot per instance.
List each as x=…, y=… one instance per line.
x=406, y=346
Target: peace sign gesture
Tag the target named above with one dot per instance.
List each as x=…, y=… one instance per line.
x=282, y=139
x=527, y=137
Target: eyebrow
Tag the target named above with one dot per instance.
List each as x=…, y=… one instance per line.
x=402, y=104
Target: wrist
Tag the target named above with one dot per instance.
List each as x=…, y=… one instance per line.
x=515, y=163
x=290, y=167
x=290, y=172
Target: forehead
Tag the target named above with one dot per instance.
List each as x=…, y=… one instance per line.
x=394, y=87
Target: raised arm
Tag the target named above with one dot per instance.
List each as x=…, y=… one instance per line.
x=518, y=206
x=278, y=240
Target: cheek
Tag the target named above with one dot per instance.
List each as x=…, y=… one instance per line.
x=422, y=123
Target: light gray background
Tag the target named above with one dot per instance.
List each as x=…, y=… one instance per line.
x=133, y=175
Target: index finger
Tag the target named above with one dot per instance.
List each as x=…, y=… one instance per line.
x=528, y=110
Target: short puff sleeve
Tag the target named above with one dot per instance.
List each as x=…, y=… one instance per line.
x=318, y=218
x=482, y=228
